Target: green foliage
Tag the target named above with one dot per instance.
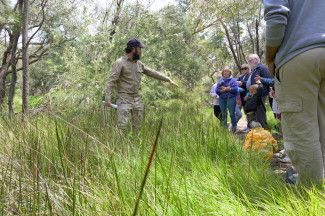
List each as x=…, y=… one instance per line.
x=82, y=43
x=35, y=101
x=78, y=71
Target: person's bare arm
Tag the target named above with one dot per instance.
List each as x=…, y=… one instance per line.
x=270, y=53
x=276, y=15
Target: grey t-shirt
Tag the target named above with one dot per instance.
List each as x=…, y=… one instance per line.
x=294, y=26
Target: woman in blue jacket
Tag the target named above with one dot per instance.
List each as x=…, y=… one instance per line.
x=227, y=89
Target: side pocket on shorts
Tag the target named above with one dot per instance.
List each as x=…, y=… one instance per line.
x=287, y=105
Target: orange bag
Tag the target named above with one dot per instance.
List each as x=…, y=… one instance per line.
x=262, y=141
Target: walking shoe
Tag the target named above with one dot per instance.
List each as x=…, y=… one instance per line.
x=290, y=176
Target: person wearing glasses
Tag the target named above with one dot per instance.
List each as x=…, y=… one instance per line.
x=242, y=81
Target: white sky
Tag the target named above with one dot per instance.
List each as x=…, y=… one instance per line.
x=155, y=5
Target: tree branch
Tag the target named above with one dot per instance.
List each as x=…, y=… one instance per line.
x=36, y=58
x=116, y=19
x=33, y=61
x=41, y=23
x=16, y=5
x=196, y=31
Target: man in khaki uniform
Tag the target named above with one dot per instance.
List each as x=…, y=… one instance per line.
x=126, y=76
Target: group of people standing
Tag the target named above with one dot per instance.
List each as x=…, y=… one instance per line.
x=294, y=54
x=248, y=92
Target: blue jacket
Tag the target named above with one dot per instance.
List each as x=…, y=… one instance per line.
x=227, y=82
x=267, y=81
x=262, y=71
x=244, y=79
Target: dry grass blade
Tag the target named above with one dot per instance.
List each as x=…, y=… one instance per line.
x=151, y=157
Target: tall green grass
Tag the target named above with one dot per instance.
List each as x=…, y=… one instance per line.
x=78, y=163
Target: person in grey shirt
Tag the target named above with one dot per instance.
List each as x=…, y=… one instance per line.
x=295, y=54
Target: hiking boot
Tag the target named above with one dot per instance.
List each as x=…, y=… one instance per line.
x=290, y=176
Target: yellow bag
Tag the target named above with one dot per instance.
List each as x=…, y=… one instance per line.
x=261, y=141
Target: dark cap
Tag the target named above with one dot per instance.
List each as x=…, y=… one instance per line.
x=135, y=43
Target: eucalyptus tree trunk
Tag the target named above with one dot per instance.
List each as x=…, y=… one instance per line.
x=25, y=57
x=17, y=32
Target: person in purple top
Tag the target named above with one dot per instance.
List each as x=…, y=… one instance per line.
x=227, y=89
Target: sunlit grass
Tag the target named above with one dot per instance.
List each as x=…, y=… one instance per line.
x=78, y=163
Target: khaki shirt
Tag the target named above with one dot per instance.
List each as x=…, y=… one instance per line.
x=126, y=76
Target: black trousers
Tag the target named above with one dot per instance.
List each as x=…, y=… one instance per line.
x=217, y=111
x=259, y=116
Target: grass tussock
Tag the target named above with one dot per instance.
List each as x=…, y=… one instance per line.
x=78, y=163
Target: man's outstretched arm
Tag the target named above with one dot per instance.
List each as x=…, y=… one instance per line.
x=155, y=74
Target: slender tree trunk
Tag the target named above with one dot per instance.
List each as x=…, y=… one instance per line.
x=13, y=79
x=242, y=53
x=25, y=57
x=249, y=30
x=257, y=38
x=257, y=28
x=2, y=89
x=231, y=46
x=116, y=19
x=4, y=69
x=12, y=87
x=238, y=39
x=14, y=62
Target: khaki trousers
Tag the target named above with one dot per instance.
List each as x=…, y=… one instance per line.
x=130, y=109
x=300, y=93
